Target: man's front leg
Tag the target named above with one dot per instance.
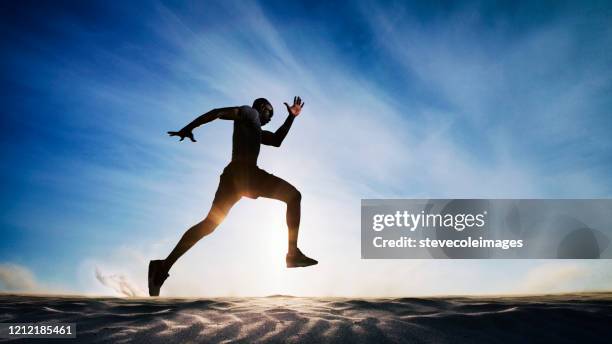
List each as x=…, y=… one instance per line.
x=295, y=258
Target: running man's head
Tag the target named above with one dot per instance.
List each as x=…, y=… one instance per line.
x=265, y=109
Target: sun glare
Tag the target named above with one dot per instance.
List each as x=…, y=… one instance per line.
x=271, y=243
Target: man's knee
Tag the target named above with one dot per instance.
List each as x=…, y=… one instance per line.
x=217, y=214
x=296, y=196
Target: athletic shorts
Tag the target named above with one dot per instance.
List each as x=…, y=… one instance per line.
x=242, y=179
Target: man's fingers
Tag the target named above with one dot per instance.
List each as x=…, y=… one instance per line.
x=302, y=106
x=182, y=138
x=297, y=101
x=172, y=133
x=192, y=139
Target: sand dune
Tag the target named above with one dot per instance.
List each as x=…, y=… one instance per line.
x=552, y=318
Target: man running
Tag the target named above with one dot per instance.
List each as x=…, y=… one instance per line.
x=242, y=177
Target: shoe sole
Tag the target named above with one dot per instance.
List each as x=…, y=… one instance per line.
x=303, y=265
x=151, y=281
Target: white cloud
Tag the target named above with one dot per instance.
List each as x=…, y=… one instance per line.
x=15, y=277
x=566, y=276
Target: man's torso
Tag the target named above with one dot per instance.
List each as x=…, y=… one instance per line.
x=246, y=139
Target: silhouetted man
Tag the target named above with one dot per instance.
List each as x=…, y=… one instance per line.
x=242, y=177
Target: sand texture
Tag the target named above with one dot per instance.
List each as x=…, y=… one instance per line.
x=554, y=318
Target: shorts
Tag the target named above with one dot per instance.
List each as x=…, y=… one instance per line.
x=242, y=179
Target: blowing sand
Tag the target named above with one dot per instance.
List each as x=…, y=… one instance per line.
x=548, y=318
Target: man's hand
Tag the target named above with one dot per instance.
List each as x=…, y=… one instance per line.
x=296, y=108
x=183, y=133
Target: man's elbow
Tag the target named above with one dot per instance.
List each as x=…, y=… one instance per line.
x=271, y=139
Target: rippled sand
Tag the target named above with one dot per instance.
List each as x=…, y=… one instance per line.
x=556, y=318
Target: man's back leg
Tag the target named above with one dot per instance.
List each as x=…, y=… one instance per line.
x=217, y=213
x=225, y=198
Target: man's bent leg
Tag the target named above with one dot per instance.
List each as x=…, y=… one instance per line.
x=274, y=187
x=277, y=188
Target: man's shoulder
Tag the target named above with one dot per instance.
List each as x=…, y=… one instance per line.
x=248, y=113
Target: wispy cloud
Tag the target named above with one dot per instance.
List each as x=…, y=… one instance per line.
x=566, y=276
x=15, y=277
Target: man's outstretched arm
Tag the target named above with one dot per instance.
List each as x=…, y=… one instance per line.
x=276, y=138
x=223, y=113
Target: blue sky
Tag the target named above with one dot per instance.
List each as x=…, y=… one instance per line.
x=404, y=99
